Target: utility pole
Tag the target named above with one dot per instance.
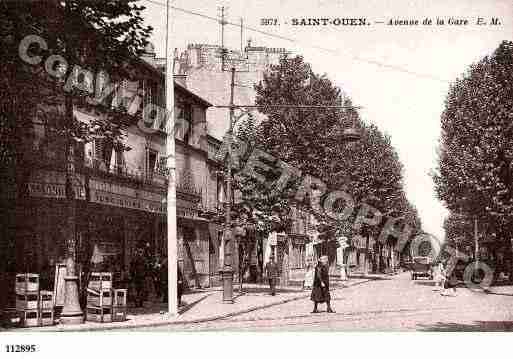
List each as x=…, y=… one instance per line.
x=71, y=312
x=222, y=22
x=172, y=250
x=241, y=35
x=227, y=270
x=228, y=216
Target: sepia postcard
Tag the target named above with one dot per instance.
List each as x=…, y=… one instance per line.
x=253, y=166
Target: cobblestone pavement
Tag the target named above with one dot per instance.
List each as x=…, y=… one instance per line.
x=387, y=303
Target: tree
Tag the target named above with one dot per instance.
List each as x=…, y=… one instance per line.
x=311, y=140
x=94, y=35
x=473, y=177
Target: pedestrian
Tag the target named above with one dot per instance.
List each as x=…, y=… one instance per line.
x=164, y=283
x=438, y=276
x=180, y=285
x=309, y=276
x=271, y=269
x=450, y=282
x=156, y=274
x=163, y=280
x=138, y=276
x=321, y=286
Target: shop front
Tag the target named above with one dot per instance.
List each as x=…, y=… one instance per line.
x=113, y=218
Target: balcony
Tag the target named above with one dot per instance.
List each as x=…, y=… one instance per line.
x=124, y=172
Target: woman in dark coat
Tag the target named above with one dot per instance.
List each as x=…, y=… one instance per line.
x=321, y=285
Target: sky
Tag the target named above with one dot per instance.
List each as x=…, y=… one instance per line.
x=400, y=75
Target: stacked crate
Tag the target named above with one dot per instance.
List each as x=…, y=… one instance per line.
x=104, y=303
x=46, y=308
x=27, y=299
x=35, y=307
x=99, y=297
x=119, y=305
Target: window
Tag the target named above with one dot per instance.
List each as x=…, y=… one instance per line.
x=79, y=152
x=152, y=161
x=183, y=120
x=119, y=161
x=220, y=191
x=162, y=166
x=103, y=152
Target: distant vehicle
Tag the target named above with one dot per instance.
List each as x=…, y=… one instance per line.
x=421, y=267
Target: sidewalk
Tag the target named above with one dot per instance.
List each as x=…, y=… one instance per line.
x=201, y=306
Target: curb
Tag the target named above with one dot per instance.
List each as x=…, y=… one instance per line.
x=182, y=322
x=185, y=322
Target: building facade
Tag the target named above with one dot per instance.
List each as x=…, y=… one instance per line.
x=120, y=193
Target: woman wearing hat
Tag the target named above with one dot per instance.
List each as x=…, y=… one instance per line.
x=321, y=285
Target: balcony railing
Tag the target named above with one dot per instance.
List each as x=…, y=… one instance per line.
x=123, y=171
x=185, y=188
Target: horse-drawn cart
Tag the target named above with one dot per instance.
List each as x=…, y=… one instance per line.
x=421, y=267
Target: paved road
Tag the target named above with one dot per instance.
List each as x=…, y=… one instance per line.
x=389, y=303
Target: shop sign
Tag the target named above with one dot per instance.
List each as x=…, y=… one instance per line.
x=52, y=184
x=121, y=196
x=49, y=190
x=186, y=209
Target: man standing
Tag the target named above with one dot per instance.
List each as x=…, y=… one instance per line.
x=321, y=285
x=138, y=276
x=271, y=270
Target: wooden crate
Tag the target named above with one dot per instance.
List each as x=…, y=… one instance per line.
x=100, y=280
x=119, y=313
x=120, y=297
x=29, y=301
x=26, y=283
x=46, y=317
x=99, y=298
x=11, y=318
x=29, y=318
x=99, y=314
x=46, y=300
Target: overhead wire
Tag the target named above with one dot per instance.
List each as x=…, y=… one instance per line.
x=322, y=48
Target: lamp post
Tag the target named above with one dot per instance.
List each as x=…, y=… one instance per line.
x=172, y=248
x=71, y=311
x=227, y=269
